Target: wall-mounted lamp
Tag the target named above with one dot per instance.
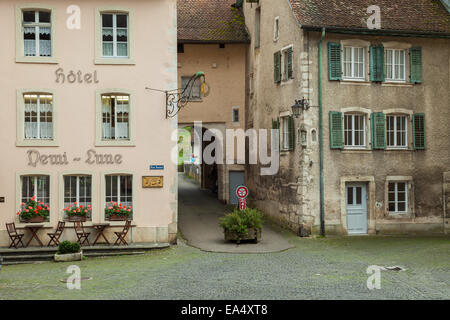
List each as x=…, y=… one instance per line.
x=299, y=106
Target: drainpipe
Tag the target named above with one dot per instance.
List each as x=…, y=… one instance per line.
x=322, y=197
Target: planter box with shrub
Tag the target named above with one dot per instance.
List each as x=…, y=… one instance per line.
x=69, y=251
x=242, y=225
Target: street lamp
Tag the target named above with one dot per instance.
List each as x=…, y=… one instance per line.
x=299, y=106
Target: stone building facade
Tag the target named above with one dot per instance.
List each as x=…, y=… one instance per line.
x=384, y=98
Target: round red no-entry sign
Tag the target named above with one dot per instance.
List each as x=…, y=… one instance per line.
x=242, y=192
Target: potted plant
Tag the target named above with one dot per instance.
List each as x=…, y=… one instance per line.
x=118, y=212
x=77, y=213
x=68, y=251
x=242, y=225
x=33, y=211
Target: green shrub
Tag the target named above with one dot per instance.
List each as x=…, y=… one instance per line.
x=240, y=221
x=67, y=247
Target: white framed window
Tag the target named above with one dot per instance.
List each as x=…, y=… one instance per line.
x=398, y=197
x=35, y=186
x=354, y=63
x=397, y=131
x=195, y=93
x=37, y=33
x=355, y=130
x=287, y=57
x=119, y=189
x=38, y=116
x=395, y=65
x=276, y=28
x=115, y=35
x=115, y=116
x=77, y=188
x=285, y=133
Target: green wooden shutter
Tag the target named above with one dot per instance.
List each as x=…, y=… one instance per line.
x=277, y=67
x=336, y=130
x=378, y=124
x=377, y=63
x=290, y=71
x=415, y=57
x=419, y=139
x=334, y=61
x=291, y=131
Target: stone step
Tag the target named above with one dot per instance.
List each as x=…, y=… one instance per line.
x=112, y=254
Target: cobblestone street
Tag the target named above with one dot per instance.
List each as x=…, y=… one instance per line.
x=315, y=269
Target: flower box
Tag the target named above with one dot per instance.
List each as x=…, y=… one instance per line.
x=35, y=219
x=77, y=218
x=115, y=217
x=252, y=234
x=69, y=257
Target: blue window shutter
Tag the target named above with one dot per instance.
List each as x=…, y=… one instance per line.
x=415, y=57
x=377, y=64
x=334, y=61
x=419, y=138
x=378, y=124
x=336, y=130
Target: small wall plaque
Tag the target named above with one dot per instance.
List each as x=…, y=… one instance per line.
x=152, y=182
x=157, y=167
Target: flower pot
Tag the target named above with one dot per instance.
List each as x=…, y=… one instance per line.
x=35, y=219
x=252, y=234
x=117, y=218
x=68, y=257
x=77, y=218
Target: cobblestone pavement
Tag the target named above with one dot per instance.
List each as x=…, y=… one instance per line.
x=331, y=268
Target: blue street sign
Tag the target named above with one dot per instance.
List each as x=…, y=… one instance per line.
x=157, y=167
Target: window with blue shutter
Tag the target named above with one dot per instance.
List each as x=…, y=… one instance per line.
x=336, y=130
x=415, y=56
x=334, y=61
x=419, y=139
x=377, y=64
x=378, y=124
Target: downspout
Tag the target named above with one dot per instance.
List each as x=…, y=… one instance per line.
x=322, y=196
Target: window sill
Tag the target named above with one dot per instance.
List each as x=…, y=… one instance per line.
x=400, y=215
x=47, y=60
x=115, y=61
x=37, y=143
x=355, y=82
x=115, y=143
x=398, y=149
x=356, y=150
x=396, y=84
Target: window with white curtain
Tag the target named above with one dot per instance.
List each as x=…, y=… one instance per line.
x=37, y=33
x=38, y=115
x=395, y=65
x=119, y=189
x=115, y=35
x=354, y=63
x=36, y=186
x=115, y=117
x=77, y=188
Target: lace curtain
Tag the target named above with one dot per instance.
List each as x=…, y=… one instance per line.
x=43, y=129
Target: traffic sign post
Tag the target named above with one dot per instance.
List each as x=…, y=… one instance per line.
x=242, y=194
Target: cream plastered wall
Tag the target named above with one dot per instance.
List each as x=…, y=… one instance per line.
x=154, y=64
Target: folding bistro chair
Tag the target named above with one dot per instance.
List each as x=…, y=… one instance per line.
x=122, y=234
x=16, y=238
x=81, y=234
x=54, y=237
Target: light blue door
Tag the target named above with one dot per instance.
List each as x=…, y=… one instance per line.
x=356, y=199
x=236, y=180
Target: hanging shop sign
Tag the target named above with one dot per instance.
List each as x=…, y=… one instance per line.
x=152, y=182
x=35, y=158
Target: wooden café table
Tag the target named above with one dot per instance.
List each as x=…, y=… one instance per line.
x=100, y=227
x=34, y=228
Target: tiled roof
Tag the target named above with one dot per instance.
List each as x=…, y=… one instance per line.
x=427, y=16
x=210, y=21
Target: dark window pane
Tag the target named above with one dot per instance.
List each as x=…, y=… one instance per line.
x=392, y=207
x=401, y=207
x=350, y=195
x=121, y=20
x=358, y=195
x=401, y=196
x=29, y=35
x=107, y=20
x=29, y=16
x=44, y=16
x=401, y=187
x=391, y=196
x=392, y=187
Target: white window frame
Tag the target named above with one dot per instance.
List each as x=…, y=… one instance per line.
x=35, y=194
x=393, y=65
x=276, y=29
x=285, y=132
x=353, y=117
x=20, y=54
x=114, y=116
x=396, y=201
x=38, y=116
x=37, y=26
x=397, y=131
x=115, y=29
x=284, y=74
x=77, y=190
x=99, y=58
x=99, y=141
x=134, y=184
x=352, y=61
x=20, y=127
